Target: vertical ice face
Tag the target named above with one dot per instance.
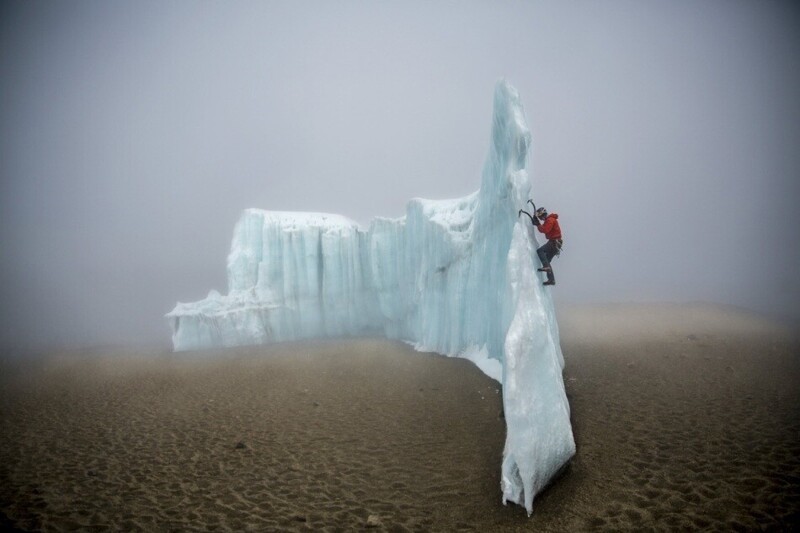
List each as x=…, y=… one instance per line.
x=538, y=434
x=456, y=277
x=290, y=276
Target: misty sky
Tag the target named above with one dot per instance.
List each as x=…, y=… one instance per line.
x=666, y=134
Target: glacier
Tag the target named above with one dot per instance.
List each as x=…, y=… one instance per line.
x=457, y=277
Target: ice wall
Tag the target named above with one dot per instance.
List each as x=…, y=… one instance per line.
x=456, y=277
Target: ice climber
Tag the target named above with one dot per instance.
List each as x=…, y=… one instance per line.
x=552, y=231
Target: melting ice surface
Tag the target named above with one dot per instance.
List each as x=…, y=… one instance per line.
x=456, y=277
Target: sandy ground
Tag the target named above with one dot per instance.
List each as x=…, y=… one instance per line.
x=685, y=417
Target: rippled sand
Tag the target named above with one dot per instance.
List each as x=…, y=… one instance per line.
x=685, y=417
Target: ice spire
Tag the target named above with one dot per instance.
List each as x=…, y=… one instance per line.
x=456, y=277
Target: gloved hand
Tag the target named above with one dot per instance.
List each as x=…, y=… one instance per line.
x=535, y=220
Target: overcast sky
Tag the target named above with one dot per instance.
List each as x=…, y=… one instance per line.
x=666, y=134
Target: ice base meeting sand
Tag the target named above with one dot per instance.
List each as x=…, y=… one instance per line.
x=685, y=417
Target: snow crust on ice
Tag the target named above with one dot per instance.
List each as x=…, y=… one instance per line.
x=457, y=277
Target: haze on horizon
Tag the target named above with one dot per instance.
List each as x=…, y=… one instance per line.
x=132, y=135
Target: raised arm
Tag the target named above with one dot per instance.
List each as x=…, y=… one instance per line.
x=547, y=225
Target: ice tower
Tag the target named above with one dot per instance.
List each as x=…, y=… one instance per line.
x=456, y=277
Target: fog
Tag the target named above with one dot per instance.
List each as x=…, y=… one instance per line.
x=665, y=134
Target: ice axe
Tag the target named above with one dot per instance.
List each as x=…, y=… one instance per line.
x=534, y=220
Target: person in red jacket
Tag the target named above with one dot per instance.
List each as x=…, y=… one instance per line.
x=552, y=231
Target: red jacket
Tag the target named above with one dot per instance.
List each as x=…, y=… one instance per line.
x=550, y=227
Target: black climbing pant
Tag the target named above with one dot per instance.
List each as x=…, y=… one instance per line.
x=546, y=253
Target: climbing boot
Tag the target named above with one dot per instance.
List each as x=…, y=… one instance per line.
x=549, y=283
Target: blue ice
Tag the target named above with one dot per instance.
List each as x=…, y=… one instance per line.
x=457, y=277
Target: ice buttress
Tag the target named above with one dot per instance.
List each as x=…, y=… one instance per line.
x=457, y=277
